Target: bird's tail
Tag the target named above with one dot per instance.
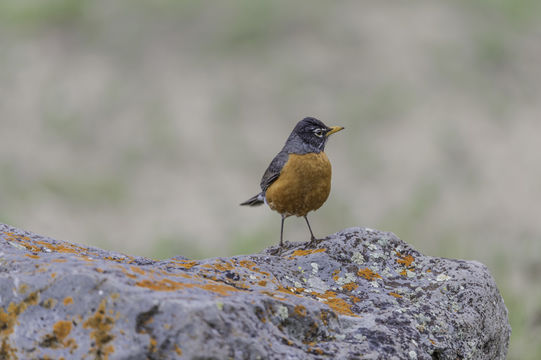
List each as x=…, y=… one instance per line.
x=255, y=200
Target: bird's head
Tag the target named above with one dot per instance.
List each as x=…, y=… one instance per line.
x=314, y=133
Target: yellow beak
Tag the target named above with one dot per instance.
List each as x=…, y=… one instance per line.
x=335, y=129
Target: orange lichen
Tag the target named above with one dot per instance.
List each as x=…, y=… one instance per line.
x=335, y=273
x=300, y=310
x=220, y=266
x=32, y=256
x=368, y=274
x=170, y=285
x=305, y=252
x=354, y=299
x=186, y=264
x=395, y=295
x=178, y=350
x=350, y=286
x=336, y=303
x=315, y=350
x=68, y=300
x=404, y=272
x=405, y=260
x=8, y=320
x=59, y=260
x=137, y=270
x=153, y=343
x=262, y=283
x=101, y=325
x=61, y=330
x=273, y=295
x=223, y=290
x=53, y=275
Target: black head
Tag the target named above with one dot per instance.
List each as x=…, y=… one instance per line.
x=313, y=135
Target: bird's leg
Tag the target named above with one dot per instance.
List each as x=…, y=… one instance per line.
x=282, y=232
x=312, y=237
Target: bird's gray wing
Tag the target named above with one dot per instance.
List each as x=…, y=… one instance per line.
x=273, y=171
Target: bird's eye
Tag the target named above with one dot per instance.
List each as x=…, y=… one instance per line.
x=318, y=132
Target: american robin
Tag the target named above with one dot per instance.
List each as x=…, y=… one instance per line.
x=298, y=179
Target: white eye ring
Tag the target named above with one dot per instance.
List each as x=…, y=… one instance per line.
x=318, y=132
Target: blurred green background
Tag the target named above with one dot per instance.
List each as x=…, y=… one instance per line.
x=140, y=126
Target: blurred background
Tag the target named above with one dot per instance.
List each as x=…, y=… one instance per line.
x=139, y=126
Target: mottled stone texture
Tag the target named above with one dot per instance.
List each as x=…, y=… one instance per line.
x=358, y=294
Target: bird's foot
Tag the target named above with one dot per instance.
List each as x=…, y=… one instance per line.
x=313, y=242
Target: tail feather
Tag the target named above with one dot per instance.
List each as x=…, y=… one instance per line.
x=255, y=200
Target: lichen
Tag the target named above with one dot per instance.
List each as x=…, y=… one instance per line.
x=101, y=325
x=368, y=274
x=8, y=320
x=57, y=339
x=300, y=310
x=305, y=252
x=68, y=300
x=282, y=312
x=336, y=303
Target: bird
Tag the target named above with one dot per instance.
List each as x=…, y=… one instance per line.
x=298, y=179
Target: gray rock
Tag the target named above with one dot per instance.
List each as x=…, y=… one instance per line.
x=358, y=294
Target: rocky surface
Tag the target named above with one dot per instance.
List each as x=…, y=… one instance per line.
x=358, y=294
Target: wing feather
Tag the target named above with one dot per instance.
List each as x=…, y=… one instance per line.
x=273, y=171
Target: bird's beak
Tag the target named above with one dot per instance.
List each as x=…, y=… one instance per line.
x=334, y=129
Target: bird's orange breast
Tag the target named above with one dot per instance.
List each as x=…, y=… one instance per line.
x=303, y=185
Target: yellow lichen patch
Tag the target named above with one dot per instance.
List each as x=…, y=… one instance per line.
x=405, y=260
x=395, y=295
x=125, y=259
x=354, y=299
x=163, y=285
x=178, y=350
x=273, y=295
x=220, y=266
x=336, y=303
x=221, y=289
x=262, y=283
x=170, y=285
x=300, y=310
x=61, y=330
x=32, y=256
x=153, y=343
x=23, y=288
x=101, y=325
x=185, y=264
x=368, y=274
x=53, y=275
x=290, y=290
x=49, y=303
x=68, y=300
x=305, y=252
x=137, y=270
x=8, y=320
x=37, y=246
x=404, y=272
x=59, y=260
x=315, y=350
x=350, y=286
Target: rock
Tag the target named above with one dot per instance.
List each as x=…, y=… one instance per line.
x=357, y=294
